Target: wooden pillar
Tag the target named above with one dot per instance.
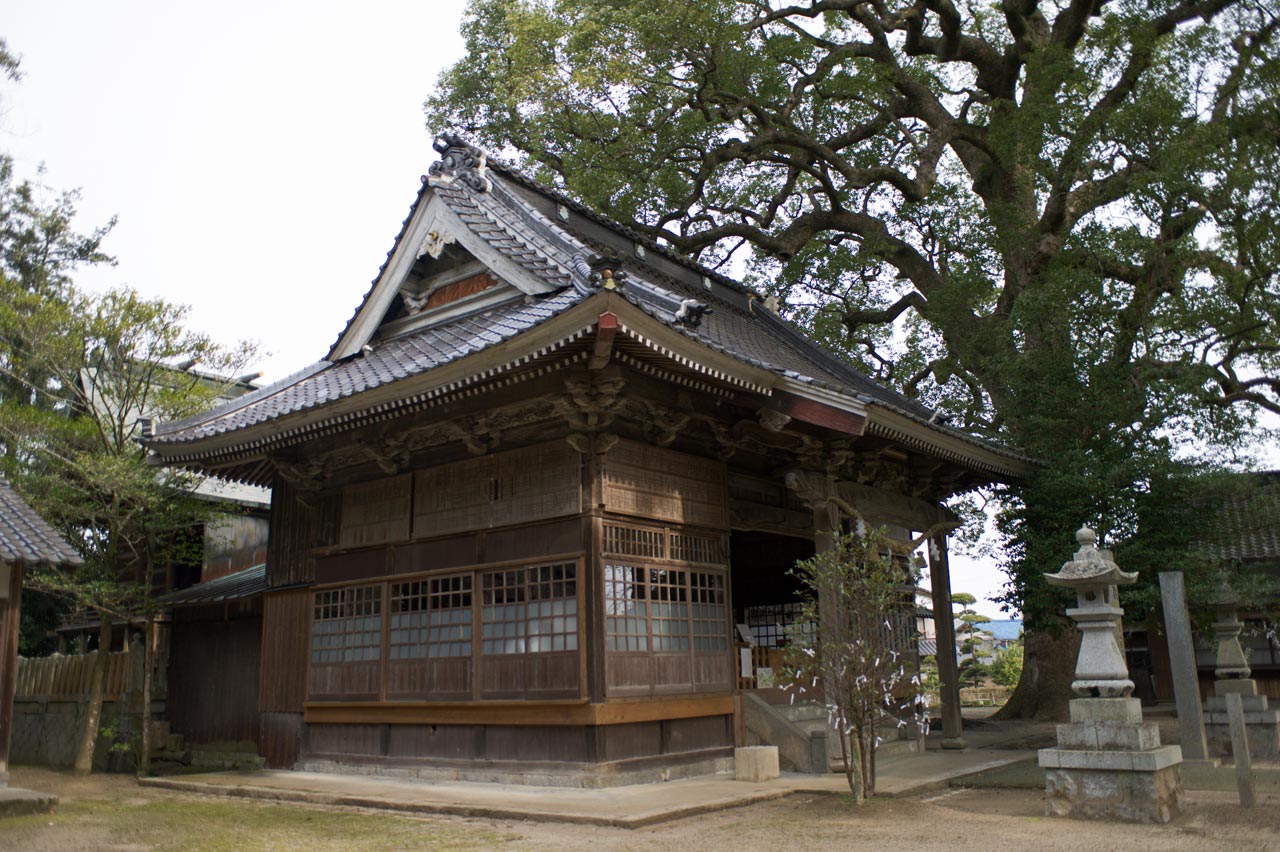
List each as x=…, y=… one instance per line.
x=944, y=622
x=9, y=619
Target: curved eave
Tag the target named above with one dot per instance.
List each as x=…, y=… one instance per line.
x=466, y=374
x=999, y=464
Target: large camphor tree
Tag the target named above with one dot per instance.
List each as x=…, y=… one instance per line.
x=1054, y=221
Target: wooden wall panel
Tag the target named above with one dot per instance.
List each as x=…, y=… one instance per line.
x=713, y=672
x=429, y=679
x=280, y=739
x=453, y=497
x=658, y=484
x=375, y=512
x=286, y=649
x=441, y=741
x=543, y=481
x=628, y=674
x=529, y=484
x=344, y=681
x=530, y=675
x=534, y=542
x=358, y=565
x=299, y=522
x=344, y=739
x=672, y=673
x=433, y=555
x=233, y=543
x=213, y=678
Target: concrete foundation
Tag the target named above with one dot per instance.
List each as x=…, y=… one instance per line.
x=1109, y=764
x=756, y=763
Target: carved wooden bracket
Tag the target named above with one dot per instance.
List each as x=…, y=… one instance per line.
x=818, y=492
x=591, y=401
x=664, y=424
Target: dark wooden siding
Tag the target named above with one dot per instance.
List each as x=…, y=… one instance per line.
x=299, y=522
x=233, y=543
x=213, y=675
x=280, y=739
x=286, y=640
x=9, y=660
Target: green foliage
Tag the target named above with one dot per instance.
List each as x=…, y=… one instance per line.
x=1006, y=669
x=853, y=592
x=77, y=371
x=1055, y=223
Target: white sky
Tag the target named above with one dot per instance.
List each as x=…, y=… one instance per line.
x=260, y=155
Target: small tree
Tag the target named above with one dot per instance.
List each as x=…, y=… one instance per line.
x=1007, y=667
x=853, y=593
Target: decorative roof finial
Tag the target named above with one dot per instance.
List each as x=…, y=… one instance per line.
x=607, y=272
x=460, y=161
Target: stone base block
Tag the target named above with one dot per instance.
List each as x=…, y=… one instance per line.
x=1246, y=688
x=1096, y=760
x=1150, y=797
x=1250, y=704
x=1109, y=736
x=756, y=763
x=1263, y=736
x=1122, y=710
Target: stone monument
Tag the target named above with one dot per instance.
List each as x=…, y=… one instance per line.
x=1109, y=764
x=1232, y=673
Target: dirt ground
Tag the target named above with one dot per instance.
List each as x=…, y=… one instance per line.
x=113, y=814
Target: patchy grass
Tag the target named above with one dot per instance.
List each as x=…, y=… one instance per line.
x=236, y=826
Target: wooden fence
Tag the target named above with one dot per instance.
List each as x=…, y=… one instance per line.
x=68, y=677
x=984, y=696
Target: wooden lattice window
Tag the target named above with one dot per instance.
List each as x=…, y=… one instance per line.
x=626, y=608
x=635, y=541
x=774, y=625
x=669, y=609
x=706, y=594
x=346, y=625
x=431, y=618
x=707, y=550
x=530, y=610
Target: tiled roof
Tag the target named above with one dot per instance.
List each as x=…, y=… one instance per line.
x=232, y=587
x=26, y=538
x=494, y=208
x=1247, y=526
x=401, y=358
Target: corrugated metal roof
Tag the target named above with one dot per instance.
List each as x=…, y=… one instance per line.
x=232, y=587
x=25, y=537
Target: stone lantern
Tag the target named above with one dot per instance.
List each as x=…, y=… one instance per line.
x=1109, y=763
x=1232, y=674
x=1094, y=575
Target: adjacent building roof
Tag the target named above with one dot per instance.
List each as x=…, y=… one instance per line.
x=541, y=246
x=25, y=538
x=232, y=587
x=1247, y=526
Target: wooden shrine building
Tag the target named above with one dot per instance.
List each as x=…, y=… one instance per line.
x=520, y=506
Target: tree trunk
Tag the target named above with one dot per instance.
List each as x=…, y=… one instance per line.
x=1048, y=667
x=148, y=663
x=853, y=764
x=93, y=713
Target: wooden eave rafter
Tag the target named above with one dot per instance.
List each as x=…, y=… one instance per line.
x=919, y=437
